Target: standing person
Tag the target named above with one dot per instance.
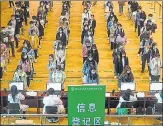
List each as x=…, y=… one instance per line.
x=145, y=46
x=34, y=42
x=92, y=77
x=59, y=76
x=85, y=49
x=33, y=27
x=155, y=65
x=10, y=30
x=26, y=66
x=20, y=76
x=123, y=61
x=11, y=3
x=60, y=56
x=16, y=97
x=126, y=76
x=92, y=23
x=95, y=53
x=121, y=4
x=61, y=36
x=153, y=51
x=85, y=14
x=51, y=66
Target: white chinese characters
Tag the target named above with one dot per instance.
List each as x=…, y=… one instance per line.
x=92, y=107
x=81, y=107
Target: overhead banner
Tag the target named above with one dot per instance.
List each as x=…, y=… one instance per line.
x=86, y=105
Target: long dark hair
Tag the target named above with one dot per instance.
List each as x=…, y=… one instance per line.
x=22, y=57
x=127, y=95
x=14, y=92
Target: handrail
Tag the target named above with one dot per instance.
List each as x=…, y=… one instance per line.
x=66, y=115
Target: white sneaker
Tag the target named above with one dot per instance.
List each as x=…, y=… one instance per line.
x=39, y=46
x=138, y=55
x=115, y=77
x=35, y=60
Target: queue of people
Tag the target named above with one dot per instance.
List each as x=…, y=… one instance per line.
x=117, y=42
x=89, y=49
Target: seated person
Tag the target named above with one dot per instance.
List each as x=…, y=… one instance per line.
x=20, y=76
x=16, y=97
x=92, y=76
x=126, y=76
x=159, y=96
x=52, y=100
x=127, y=97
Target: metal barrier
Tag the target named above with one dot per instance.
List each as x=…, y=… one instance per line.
x=153, y=6
x=43, y=117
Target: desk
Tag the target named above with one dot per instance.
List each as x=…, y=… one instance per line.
x=110, y=102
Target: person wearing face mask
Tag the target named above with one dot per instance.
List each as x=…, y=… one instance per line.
x=33, y=27
x=20, y=76
x=34, y=42
x=85, y=14
x=123, y=61
x=125, y=76
x=144, y=50
x=112, y=37
x=92, y=76
x=60, y=56
x=51, y=66
x=117, y=54
x=10, y=32
x=121, y=39
x=92, y=23
x=119, y=31
x=94, y=52
x=108, y=7
x=12, y=21
x=26, y=66
x=85, y=49
x=61, y=36
x=59, y=76
x=155, y=66
x=153, y=51
x=84, y=33
x=90, y=62
x=89, y=37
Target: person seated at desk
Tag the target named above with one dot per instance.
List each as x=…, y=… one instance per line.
x=126, y=76
x=52, y=100
x=159, y=96
x=16, y=97
x=20, y=76
x=127, y=97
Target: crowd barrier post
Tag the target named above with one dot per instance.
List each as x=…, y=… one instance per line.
x=154, y=7
x=160, y=8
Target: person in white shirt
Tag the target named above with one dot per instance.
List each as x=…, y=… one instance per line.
x=52, y=100
x=128, y=97
x=16, y=97
x=155, y=66
x=159, y=96
x=85, y=14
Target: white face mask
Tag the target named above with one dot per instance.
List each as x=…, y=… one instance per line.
x=25, y=45
x=128, y=71
x=32, y=25
x=9, y=27
x=19, y=71
x=25, y=57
